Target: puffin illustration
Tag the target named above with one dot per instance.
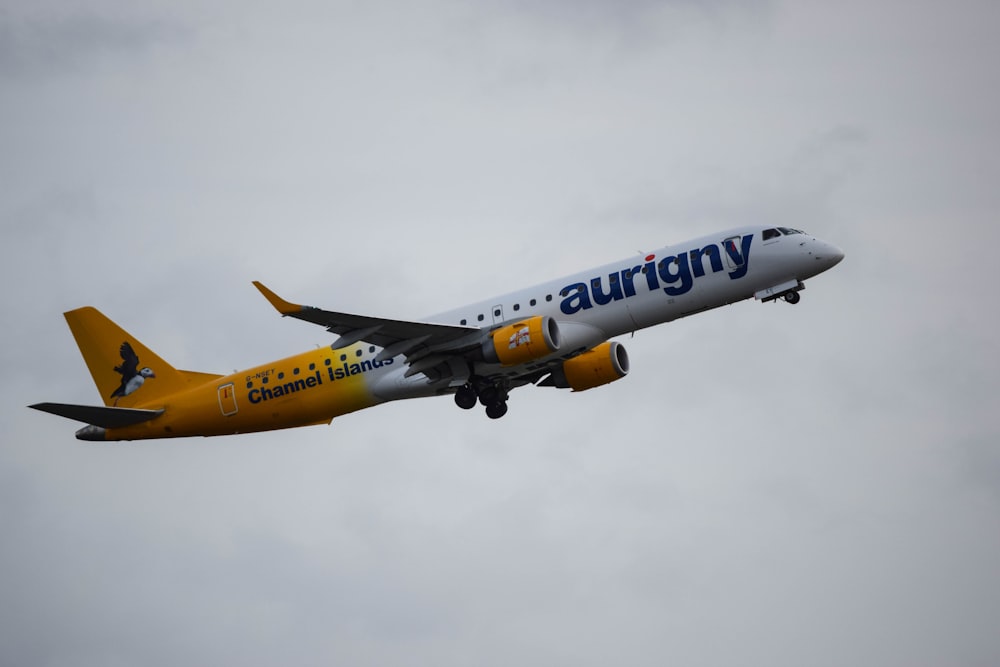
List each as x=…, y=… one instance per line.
x=132, y=377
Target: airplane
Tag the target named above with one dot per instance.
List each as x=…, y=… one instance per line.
x=557, y=334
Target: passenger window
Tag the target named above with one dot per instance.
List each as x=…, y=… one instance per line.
x=517, y=306
x=533, y=302
x=548, y=297
x=481, y=317
x=464, y=322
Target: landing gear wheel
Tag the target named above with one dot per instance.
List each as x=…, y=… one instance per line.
x=792, y=297
x=496, y=410
x=489, y=395
x=465, y=397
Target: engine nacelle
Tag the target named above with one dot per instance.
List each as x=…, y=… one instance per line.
x=522, y=342
x=603, y=364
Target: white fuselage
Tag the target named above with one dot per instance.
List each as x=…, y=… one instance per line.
x=638, y=292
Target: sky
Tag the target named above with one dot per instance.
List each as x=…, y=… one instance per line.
x=816, y=484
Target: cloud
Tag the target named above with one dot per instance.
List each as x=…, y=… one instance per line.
x=59, y=44
x=758, y=461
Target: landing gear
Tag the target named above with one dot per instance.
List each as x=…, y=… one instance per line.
x=465, y=397
x=496, y=410
x=792, y=297
x=492, y=396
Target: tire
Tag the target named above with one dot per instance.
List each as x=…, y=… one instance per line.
x=488, y=396
x=496, y=410
x=792, y=297
x=465, y=398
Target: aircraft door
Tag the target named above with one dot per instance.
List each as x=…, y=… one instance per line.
x=227, y=400
x=731, y=249
x=497, y=314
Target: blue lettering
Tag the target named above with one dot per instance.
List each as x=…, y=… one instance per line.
x=675, y=274
x=262, y=394
x=614, y=294
x=577, y=300
x=713, y=256
x=673, y=269
x=650, y=271
x=628, y=276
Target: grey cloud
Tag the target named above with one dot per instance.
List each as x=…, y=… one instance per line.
x=54, y=45
x=770, y=485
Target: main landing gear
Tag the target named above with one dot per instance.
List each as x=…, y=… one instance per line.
x=492, y=396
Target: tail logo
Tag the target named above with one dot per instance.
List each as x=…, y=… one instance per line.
x=132, y=376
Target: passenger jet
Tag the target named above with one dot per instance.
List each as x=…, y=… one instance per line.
x=557, y=334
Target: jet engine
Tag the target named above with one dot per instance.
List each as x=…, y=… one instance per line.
x=522, y=342
x=603, y=364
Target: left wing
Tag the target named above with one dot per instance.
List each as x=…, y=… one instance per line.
x=437, y=350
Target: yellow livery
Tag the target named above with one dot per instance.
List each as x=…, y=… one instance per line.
x=556, y=334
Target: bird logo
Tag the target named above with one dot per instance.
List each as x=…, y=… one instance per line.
x=132, y=375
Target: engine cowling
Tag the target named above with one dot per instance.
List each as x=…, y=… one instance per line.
x=603, y=364
x=522, y=342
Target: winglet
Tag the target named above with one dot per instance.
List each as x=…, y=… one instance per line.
x=282, y=306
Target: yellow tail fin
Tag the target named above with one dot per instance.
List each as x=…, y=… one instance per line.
x=127, y=373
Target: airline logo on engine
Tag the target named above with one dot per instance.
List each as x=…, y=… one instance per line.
x=520, y=337
x=675, y=274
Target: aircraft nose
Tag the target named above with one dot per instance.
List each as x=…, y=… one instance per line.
x=833, y=254
x=826, y=254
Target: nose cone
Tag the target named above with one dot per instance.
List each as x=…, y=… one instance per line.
x=831, y=254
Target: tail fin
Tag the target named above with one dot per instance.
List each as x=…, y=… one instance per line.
x=126, y=372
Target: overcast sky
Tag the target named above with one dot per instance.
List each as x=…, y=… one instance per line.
x=772, y=485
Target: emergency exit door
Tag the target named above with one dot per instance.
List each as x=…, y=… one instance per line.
x=227, y=399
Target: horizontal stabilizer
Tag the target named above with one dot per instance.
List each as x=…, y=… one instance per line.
x=105, y=417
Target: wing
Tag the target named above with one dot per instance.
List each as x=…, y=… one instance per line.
x=130, y=361
x=436, y=350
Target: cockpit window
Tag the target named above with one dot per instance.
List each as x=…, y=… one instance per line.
x=788, y=231
x=771, y=234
